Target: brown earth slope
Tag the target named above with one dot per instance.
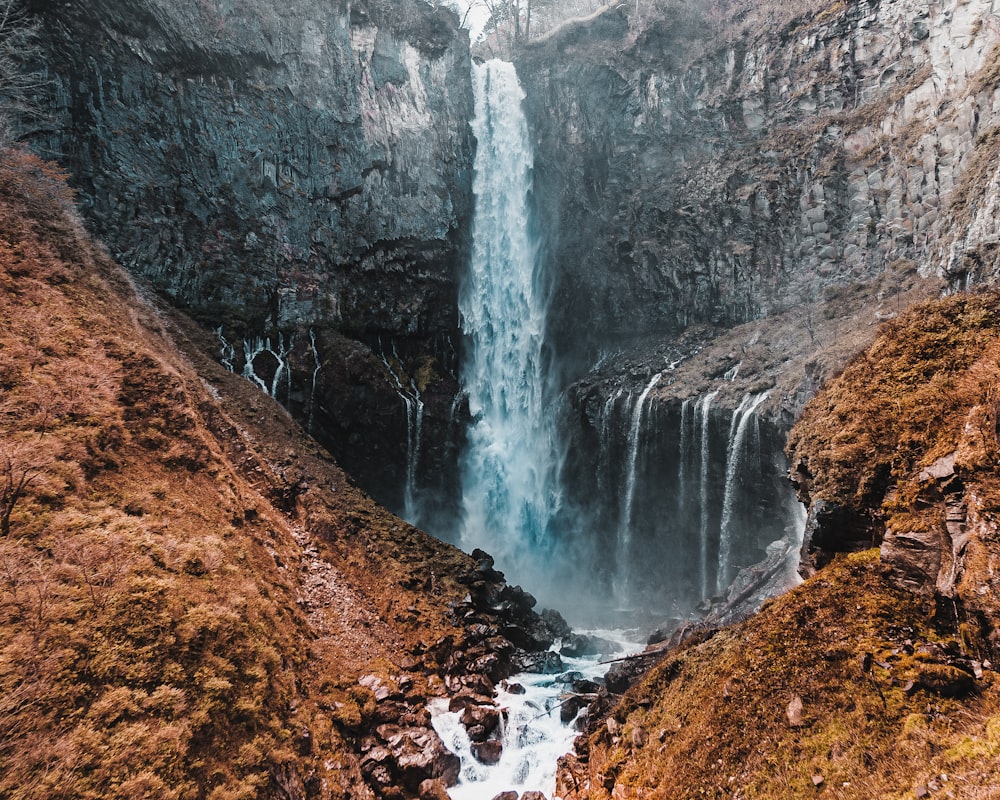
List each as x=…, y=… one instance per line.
x=194, y=600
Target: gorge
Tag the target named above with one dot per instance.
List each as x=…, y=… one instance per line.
x=581, y=313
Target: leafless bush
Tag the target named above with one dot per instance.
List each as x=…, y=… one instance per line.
x=21, y=82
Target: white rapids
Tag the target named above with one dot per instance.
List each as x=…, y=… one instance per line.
x=532, y=733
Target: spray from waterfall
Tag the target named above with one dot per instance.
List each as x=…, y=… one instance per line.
x=510, y=464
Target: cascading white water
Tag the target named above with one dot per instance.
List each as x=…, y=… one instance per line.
x=253, y=348
x=702, y=413
x=533, y=735
x=625, y=524
x=509, y=466
x=684, y=454
x=745, y=414
x=317, y=365
x=413, y=409
x=605, y=484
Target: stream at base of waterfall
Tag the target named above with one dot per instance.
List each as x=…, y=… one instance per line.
x=531, y=730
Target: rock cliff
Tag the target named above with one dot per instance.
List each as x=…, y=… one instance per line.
x=697, y=171
x=735, y=203
x=298, y=177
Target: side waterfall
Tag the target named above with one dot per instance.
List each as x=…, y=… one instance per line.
x=736, y=457
x=509, y=467
x=625, y=527
x=413, y=409
x=701, y=414
x=683, y=493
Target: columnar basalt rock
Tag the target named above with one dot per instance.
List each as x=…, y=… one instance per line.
x=686, y=178
x=299, y=170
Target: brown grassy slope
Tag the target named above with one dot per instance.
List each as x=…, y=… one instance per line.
x=189, y=590
x=929, y=385
x=712, y=719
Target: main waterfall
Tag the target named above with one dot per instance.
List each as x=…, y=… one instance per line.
x=509, y=467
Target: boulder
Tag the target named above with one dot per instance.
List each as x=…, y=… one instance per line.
x=576, y=645
x=484, y=717
x=945, y=680
x=569, y=707
x=433, y=789
x=624, y=674
x=419, y=754
x=545, y=663
x=487, y=752
x=794, y=712
x=462, y=701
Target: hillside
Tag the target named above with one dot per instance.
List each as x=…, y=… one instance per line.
x=194, y=600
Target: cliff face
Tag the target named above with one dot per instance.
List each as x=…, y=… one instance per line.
x=300, y=173
x=735, y=205
x=721, y=174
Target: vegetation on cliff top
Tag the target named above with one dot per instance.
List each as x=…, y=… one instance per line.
x=927, y=387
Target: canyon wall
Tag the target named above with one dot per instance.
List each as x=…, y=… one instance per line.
x=696, y=172
x=736, y=205
x=298, y=177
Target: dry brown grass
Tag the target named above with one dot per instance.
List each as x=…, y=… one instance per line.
x=905, y=402
x=711, y=720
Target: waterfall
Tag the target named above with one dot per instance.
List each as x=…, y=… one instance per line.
x=625, y=525
x=735, y=459
x=317, y=365
x=509, y=467
x=702, y=415
x=227, y=353
x=413, y=410
x=253, y=348
x=605, y=484
x=684, y=456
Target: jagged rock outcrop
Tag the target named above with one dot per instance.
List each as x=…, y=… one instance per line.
x=297, y=171
x=900, y=452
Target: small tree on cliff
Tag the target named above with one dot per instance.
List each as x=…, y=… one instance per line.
x=21, y=83
x=18, y=470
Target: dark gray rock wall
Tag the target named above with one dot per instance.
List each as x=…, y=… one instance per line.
x=279, y=169
x=689, y=178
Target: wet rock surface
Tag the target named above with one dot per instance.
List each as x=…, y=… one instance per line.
x=300, y=179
